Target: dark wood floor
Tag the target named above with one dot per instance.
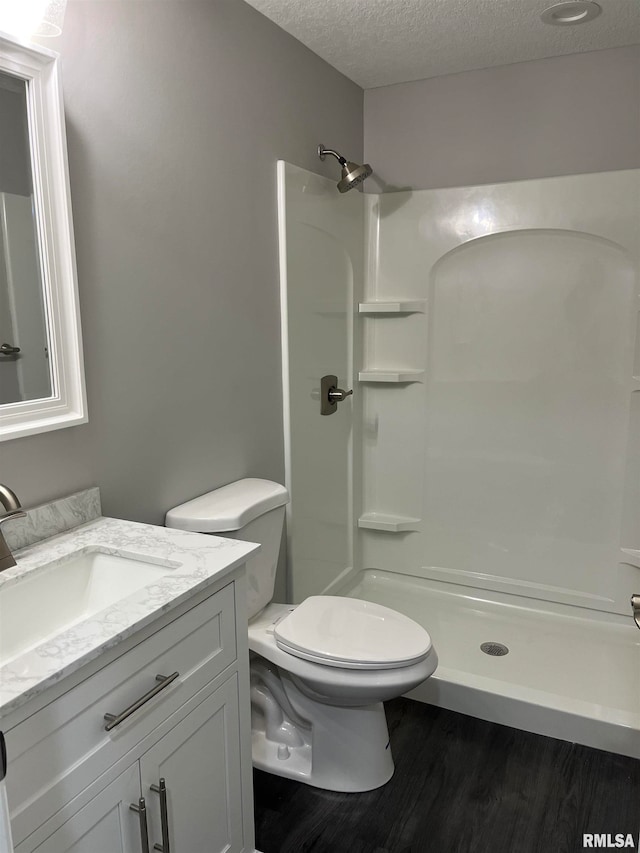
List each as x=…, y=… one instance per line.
x=461, y=786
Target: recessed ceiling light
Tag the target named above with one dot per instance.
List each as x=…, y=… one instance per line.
x=573, y=12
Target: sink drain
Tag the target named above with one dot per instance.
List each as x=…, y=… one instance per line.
x=495, y=649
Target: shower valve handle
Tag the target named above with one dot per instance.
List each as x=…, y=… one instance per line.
x=330, y=394
x=337, y=395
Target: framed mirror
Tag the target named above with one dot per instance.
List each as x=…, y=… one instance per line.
x=41, y=368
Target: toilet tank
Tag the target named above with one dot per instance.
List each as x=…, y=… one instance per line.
x=250, y=509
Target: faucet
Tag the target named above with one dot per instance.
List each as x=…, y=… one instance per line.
x=9, y=500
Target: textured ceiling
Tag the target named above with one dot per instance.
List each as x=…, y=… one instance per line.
x=380, y=42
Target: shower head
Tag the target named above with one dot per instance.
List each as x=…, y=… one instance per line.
x=352, y=173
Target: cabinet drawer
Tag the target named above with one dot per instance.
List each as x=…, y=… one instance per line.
x=60, y=750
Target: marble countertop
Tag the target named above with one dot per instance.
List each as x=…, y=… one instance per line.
x=197, y=561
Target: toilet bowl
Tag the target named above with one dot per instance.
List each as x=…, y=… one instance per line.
x=320, y=670
x=319, y=722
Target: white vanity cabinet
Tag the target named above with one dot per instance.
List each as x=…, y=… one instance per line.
x=104, y=824
x=71, y=783
x=199, y=793
x=199, y=760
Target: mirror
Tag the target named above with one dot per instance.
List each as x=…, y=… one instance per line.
x=24, y=369
x=41, y=369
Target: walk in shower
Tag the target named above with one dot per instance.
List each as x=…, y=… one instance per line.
x=484, y=478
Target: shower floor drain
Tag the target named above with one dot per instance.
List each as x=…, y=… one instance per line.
x=495, y=649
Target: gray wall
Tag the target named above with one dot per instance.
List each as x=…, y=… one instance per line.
x=177, y=111
x=566, y=115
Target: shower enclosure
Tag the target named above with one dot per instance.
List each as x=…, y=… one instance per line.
x=484, y=478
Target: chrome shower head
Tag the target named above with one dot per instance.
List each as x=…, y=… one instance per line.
x=352, y=173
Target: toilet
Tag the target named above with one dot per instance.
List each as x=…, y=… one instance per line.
x=320, y=670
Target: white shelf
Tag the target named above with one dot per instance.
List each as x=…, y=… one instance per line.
x=402, y=306
x=390, y=375
x=388, y=523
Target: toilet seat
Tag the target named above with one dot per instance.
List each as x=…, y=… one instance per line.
x=351, y=634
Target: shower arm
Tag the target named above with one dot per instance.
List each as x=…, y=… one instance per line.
x=322, y=152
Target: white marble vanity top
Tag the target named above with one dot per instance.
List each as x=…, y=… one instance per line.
x=197, y=562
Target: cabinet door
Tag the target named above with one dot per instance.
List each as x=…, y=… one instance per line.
x=200, y=762
x=104, y=825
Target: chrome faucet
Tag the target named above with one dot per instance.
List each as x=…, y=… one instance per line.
x=9, y=500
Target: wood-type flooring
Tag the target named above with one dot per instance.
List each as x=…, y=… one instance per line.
x=461, y=785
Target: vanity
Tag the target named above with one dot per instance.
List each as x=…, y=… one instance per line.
x=124, y=691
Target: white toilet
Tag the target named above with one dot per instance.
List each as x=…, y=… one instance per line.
x=319, y=670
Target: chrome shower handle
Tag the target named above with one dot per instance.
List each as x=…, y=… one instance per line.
x=635, y=606
x=337, y=395
x=330, y=394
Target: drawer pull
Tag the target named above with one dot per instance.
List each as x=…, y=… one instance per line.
x=141, y=809
x=114, y=720
x=164, y=817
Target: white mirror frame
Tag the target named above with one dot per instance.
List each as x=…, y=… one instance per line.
x=67, y=406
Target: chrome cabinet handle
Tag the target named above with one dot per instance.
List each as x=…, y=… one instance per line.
x=164, y=817
x=115, y=719
x=141, y=809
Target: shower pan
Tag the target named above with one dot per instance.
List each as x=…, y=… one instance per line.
x=484, y=478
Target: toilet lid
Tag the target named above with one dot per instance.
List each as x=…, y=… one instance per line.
x=353, y=634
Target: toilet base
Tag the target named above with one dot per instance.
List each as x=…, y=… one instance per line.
x=329, y=747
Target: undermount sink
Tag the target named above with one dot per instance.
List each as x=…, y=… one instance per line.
x=56, y=596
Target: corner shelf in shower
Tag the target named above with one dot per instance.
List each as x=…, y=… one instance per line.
x=388, y=523
x=397, y=376
x=401, y=306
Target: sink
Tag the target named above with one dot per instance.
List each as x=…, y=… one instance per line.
x=58, y=595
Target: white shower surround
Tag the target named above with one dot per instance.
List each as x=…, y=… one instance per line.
x=518, y=447
x=496, y=476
